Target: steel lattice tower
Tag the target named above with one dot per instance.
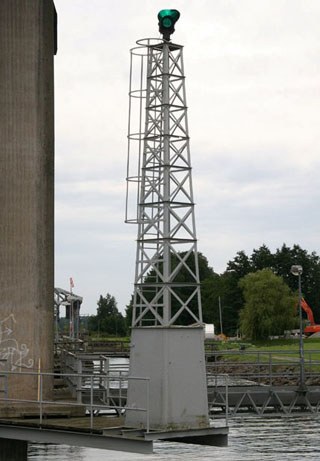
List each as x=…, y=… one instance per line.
x=167, y=335
x=167, y=289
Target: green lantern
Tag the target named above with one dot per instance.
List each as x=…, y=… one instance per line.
x=167, y=20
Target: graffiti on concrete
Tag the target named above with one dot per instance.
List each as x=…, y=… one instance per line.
x=13, y=355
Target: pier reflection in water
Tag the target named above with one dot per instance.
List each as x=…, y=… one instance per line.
x=294, y=438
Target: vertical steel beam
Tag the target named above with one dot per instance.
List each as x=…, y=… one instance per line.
x=166, y=187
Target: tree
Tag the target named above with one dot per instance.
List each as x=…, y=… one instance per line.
x=231, y=301
x=107, y=306
x=128, y=314
x=270, y=305
x=108, y=319
x=280, y=262
x=240, y=265
x=211, y=289
x=310, y=279
x=262, y=258
x=226, y=285
x=230, y=293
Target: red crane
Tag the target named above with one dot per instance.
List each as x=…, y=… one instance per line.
x=312, y=327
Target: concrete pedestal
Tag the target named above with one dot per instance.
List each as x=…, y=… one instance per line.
x=13, y=450
x=173, y=358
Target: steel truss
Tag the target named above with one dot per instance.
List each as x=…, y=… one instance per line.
x=72, y=304
x=265, y=400
x=167, y=289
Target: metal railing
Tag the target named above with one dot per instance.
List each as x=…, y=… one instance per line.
x=114, y=348
x=106, y=376
x=3, y=378
x=217, y=381
x=264, y=382
x=89, y=406
x=271, y=368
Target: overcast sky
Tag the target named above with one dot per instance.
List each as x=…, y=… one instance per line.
x=253, y=91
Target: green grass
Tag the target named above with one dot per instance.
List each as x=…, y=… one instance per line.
x=280, y=350
x=122, y=339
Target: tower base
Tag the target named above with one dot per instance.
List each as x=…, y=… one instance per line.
x=176, y=393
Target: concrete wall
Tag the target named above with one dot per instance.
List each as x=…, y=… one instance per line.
x=26, y=191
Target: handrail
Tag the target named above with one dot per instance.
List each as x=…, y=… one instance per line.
x=264, y=366
x=41, y=402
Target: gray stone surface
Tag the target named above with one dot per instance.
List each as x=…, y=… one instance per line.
x=26, y=191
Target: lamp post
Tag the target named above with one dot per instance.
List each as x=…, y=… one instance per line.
x=297, y=271
x=220, y=316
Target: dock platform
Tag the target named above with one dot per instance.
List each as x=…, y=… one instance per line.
x=108, y=433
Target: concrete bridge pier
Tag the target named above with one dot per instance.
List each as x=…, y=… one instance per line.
x=27, y=47
x=13, y=450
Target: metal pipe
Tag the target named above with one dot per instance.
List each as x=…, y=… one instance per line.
x=301, y=345
x=91, y=403
x=220, y=316
x=227, y=399
x=40, y=405
x=148, y=405
x=166, y=185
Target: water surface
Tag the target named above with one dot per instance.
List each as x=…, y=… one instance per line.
x=294, y=438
